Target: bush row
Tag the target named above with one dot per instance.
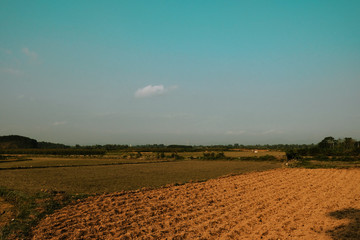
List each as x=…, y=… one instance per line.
x=221, y=155
x=67, y=151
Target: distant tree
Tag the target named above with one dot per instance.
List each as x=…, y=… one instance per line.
x=328, y=142
x=349, y=143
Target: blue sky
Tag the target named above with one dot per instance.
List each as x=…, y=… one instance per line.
x=180, y=72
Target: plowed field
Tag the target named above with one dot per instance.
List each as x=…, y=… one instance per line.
x=275, y=204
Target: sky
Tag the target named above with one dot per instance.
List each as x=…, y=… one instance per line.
x=180, y=72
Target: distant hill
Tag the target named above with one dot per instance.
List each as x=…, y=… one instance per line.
x=21, y=142
x=15, y=141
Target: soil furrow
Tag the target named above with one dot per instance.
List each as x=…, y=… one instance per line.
x=277, y=204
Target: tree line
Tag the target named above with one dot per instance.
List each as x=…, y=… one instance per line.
x=328, y=147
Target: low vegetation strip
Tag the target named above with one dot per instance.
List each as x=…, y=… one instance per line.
x=94, y=164
x=275, y=204
x=66, y=151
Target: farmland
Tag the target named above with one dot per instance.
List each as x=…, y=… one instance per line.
x=34, y=186
x=116, y=173
x=276, y=204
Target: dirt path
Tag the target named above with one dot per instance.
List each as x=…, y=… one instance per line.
x=276, y=204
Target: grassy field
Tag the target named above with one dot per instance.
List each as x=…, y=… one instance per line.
x=118, y=172
x=100, y=179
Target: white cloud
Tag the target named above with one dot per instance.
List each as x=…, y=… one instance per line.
x=31, y=54
x=150, y=91
x=59, y=123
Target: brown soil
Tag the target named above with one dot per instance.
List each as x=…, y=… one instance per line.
x=276, y=204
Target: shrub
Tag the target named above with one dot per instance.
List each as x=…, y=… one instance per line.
x=213, y=156
x=160, y=155
x=293, y=155
x=268, y=158
x=176, y=156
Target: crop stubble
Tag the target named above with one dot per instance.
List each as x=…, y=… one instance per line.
x=275, y=204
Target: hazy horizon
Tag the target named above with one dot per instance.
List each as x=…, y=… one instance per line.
x=180, y=72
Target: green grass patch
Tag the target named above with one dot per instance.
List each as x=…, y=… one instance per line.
x=105, y=179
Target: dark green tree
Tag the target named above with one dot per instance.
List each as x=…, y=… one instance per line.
x=327, y=143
